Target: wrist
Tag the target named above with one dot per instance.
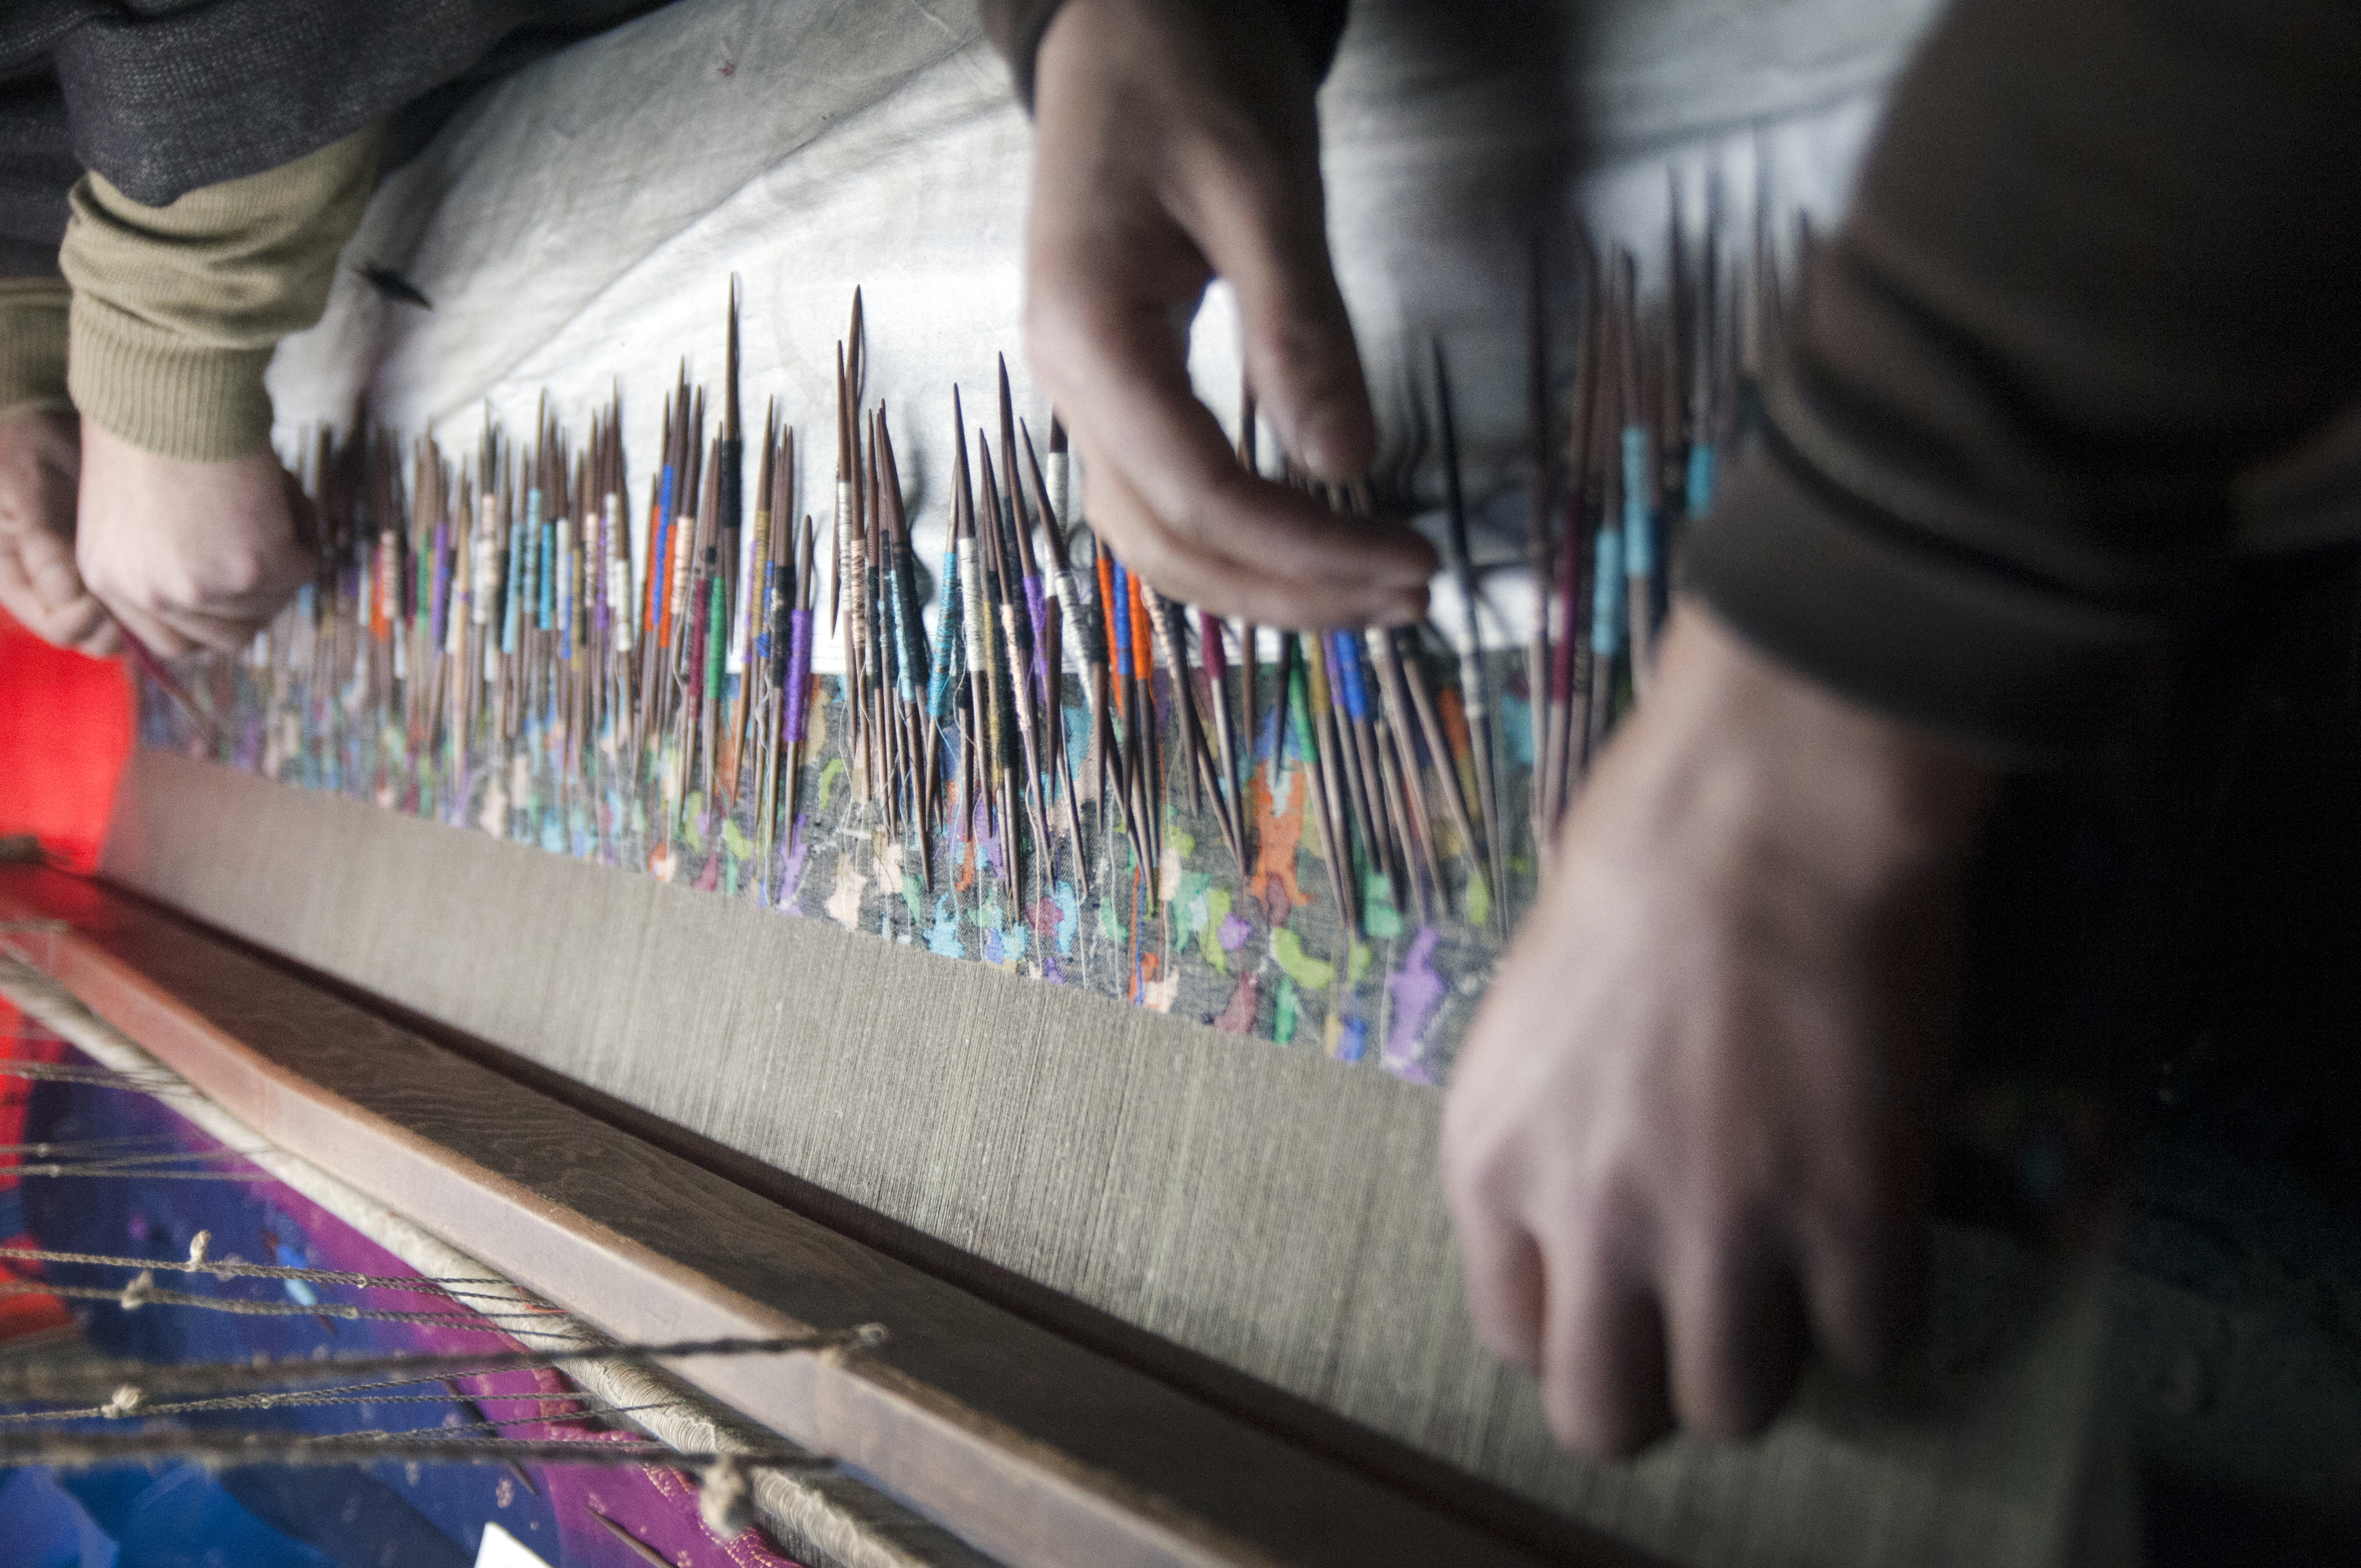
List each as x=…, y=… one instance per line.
x=1768, y=768
x=1024, y=30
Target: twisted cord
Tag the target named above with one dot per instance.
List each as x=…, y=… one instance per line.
x=130, y=1399
x=94, y=1077
x=60, y=1382
x=78, y=1450
x=138, y=1294
x=231, y=1268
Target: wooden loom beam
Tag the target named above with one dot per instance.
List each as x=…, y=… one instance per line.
x=1035, y=1449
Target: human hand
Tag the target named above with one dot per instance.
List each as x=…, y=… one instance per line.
x=1687, y=1135
x=39, y=466
x=1173, y=143
x=189, y=554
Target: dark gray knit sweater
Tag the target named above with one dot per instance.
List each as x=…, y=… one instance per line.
x=163, y=96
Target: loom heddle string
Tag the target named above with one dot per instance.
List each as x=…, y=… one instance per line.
x=233, y=1268
x=138, y=1294
x=61, y=1439
x=91, y=1077
x=114, y=1409
x=76, y=1381
x=130, y=1396
x=82, y=1449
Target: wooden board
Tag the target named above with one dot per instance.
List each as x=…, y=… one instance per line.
x=1034, y=1449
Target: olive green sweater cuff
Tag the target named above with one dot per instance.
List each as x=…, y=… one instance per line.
x=32, y=346
x=178, y=309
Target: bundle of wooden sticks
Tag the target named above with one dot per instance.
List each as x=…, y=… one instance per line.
x=536, y=653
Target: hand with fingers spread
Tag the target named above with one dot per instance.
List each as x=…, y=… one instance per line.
x=40, y=463
x=1175, y=144
x=1686, y=1138
x=189, y=554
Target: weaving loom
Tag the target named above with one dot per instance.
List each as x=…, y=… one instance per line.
x=1201, y=1302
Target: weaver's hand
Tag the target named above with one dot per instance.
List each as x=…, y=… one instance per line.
x=1687, y=1135
x=189, y=554
x=39, y=461
x=1173, y=143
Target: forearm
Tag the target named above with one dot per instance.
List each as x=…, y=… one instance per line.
x=2089, y=290
x=177, y=308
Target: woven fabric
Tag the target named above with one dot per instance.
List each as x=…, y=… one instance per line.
x=1268, y=1206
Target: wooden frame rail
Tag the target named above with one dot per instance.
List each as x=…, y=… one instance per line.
x=1030, y=1447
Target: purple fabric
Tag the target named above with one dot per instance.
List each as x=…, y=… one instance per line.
x=656, y=1504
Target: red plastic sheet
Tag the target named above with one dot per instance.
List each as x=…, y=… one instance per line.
x=65, y=730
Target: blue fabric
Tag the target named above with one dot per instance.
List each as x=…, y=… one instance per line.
x=426, y=1514
x=181, y=1518
x=45, y=1527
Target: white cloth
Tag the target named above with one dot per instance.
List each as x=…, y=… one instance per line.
x=577, y=225
x=499, y=1548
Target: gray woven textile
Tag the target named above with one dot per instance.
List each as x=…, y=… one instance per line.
x=1265, y=1206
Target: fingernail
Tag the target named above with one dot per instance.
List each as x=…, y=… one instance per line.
x=1403, y=611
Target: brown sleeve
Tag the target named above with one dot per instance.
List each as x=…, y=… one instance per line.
x=178, y=309
x=1016, y=28
x=2086, y=341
